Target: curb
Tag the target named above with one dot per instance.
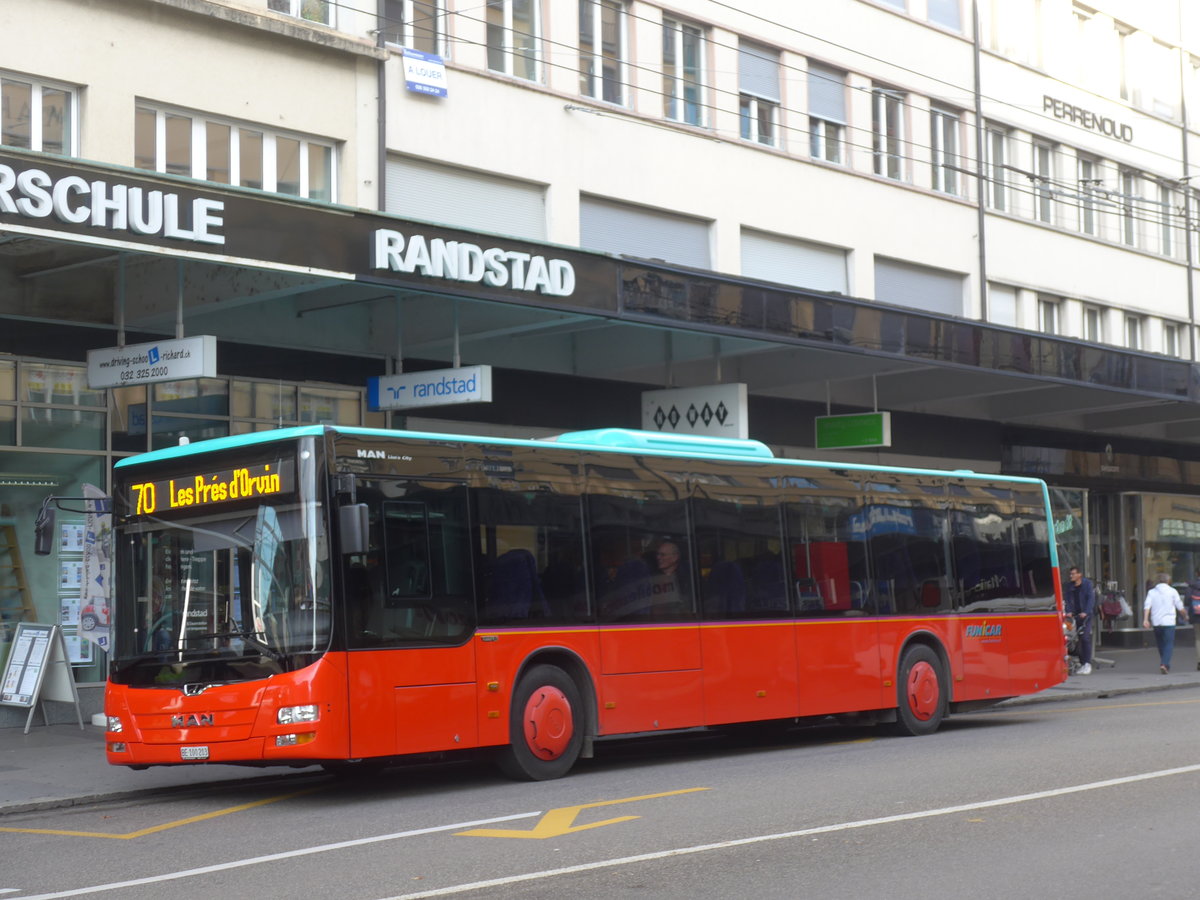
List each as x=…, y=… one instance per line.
x=157, y=793
x=1093, y=694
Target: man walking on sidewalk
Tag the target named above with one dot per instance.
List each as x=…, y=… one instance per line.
x=1161, y=605
x=1081, y=606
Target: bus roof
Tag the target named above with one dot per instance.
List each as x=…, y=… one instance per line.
x=607, y=440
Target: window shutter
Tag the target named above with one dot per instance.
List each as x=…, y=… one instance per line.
x=793, y=262
x=644, y=233
x=918, y=287
x=758, y=71
x=418, y=189
x=827, y=94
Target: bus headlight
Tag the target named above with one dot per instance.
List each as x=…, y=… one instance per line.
x=295, y=715
x=114, y=724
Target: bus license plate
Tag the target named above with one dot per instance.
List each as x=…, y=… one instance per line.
x=193, y=753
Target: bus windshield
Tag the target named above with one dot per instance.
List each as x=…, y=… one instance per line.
x=221, y=596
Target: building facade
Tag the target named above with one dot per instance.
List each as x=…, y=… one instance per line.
x=977, y=216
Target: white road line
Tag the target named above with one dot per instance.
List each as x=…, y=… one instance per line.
x=273, y=857
x=823, y=829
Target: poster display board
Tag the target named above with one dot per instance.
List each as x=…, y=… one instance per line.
x=38, y=669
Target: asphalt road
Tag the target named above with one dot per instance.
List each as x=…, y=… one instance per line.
x=1070, y=800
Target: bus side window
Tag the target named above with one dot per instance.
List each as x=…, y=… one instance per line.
x=414, y=584
x=641, y=559
x=1033, y=553
x=738, y=544
x=529, y=549
x=904, y=520
x=829, y=557
x=982, y=546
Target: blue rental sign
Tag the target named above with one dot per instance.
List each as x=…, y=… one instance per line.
x=438, y=387
x=424, y=73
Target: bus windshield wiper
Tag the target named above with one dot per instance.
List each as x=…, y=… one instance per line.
x=253, y=637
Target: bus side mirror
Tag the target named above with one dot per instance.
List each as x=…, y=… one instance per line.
x=43, y=530
x=352, y=529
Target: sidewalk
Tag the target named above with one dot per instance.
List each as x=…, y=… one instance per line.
x=59, y=765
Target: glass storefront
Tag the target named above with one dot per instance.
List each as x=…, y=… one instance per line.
x=1169, y=533
x=57, y=435
x=1132, y=538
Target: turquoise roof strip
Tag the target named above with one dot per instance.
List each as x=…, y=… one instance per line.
x=606, y=440
x=628, y=439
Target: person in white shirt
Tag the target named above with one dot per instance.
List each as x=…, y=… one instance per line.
x=1161, y=605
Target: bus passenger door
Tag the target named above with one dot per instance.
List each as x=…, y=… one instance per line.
x=642, y=570
x=839, y=661
x=988, y=582
x=747, y=636
x=410, y=616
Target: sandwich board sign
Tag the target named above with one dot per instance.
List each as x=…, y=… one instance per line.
x=38, y=669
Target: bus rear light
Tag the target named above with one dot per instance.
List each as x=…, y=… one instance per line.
x=116, y=747
x=293, y=740
x=294, y=715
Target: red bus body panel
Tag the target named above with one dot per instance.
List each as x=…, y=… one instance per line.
x=653, y=678
x=750, y=672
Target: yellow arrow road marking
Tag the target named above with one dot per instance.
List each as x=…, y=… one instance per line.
x=165, y=826
x=559, y=821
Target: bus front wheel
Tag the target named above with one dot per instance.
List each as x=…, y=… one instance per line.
x=545, y=726
x=921, y=692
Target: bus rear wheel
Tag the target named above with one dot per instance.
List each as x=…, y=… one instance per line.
x=921, y=692
x=545, y=726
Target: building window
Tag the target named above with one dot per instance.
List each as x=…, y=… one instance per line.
x=37, y=116
x=683, y=72
x=996, y=150
x=512, y=38
x=1085, y=53
x=312, y=10
x=826, y=113
x=1172, y=344
x=943, y=143
x=1043, y=179
x=1129, y=188
x=1124, y=33
x=414, y=23
x=947, y=13
x=1093, y=324
x=759, y=93
x=1166, y=213
x=229, y=153
x=1133, y=332
x=1088, y=181
x=602, y=50
x=887, y=126
x=1048, y=315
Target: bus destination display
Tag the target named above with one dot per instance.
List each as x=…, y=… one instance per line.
x=194, y=491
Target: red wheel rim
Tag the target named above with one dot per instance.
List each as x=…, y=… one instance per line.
x=548, y=722
x=922, y=691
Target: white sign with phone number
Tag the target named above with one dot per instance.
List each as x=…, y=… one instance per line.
x=194, y=357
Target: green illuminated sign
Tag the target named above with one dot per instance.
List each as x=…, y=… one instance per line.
x=859, y=430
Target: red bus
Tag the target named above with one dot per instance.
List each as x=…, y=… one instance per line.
x=333, y=595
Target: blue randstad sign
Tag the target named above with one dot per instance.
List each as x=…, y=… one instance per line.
x=439, y=387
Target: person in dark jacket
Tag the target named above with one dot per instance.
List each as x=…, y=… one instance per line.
x=1081, y=606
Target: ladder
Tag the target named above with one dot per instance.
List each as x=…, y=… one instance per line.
x=16, y=605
